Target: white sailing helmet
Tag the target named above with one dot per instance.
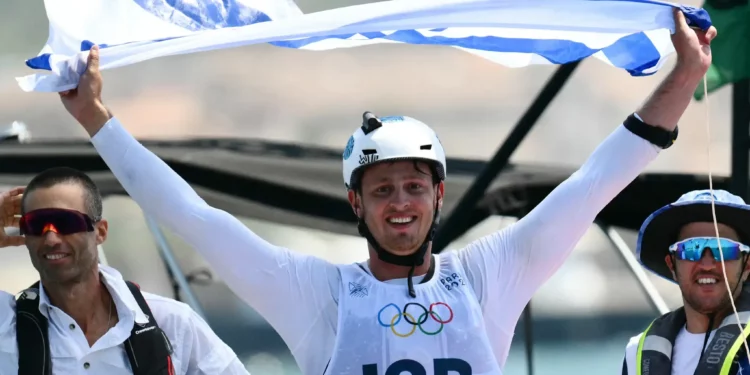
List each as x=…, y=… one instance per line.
x=391, y=139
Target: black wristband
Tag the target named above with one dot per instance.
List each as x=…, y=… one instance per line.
x=657, y=136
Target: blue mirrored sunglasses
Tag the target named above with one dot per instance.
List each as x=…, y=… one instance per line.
x=692, y=248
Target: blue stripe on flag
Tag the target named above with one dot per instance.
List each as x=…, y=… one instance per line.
x=554, y=50
x=631, y=52
x=42, y=61
x=626, y=53
x=87, y=44
x=39, y=62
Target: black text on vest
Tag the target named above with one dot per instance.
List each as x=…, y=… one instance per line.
x=443, y=366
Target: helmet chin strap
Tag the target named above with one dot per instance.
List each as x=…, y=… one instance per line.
x=412, y=260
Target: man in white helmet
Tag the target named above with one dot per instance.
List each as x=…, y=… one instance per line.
x=405, y=310
x=390, y=148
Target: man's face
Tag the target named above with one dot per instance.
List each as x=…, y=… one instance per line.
x=78, y=250
x=707, y=297
x=398, y=204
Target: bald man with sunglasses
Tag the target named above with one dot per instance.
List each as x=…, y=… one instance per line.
x=82, y=317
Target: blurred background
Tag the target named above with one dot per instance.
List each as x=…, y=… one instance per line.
x=316, y=98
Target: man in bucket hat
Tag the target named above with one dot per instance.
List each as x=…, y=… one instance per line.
x=679, y=243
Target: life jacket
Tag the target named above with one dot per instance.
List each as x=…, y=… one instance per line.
x=148, y=347
x=721, y=356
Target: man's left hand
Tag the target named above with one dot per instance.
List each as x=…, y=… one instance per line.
x=693, y=46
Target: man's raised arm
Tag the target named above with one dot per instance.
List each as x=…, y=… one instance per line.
x=273, y=280
x=508, y=267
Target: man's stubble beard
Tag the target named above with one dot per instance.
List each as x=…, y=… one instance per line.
x=711, y=307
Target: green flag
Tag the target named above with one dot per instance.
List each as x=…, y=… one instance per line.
x=731, y=48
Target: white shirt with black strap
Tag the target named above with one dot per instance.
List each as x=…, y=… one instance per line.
x=197, y=349
x=298, y=294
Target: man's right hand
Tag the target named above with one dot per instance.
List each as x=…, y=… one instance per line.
x=10, y=209
x=84, y=102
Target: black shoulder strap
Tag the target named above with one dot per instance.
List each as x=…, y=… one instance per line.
x=148, y=347
x=718, y=349
x=31, y=334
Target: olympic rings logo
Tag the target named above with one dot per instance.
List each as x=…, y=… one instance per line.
x=426, y=313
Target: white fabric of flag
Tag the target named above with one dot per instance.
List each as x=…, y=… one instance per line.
x=633, y=35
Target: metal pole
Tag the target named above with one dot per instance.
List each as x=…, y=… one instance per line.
x=448, y=231
x=174, y=267
x=741, y=139
x=640, y=274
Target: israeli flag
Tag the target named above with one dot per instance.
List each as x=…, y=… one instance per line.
x=633, y=35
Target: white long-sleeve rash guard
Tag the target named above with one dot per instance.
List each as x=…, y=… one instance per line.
x=505, y=268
